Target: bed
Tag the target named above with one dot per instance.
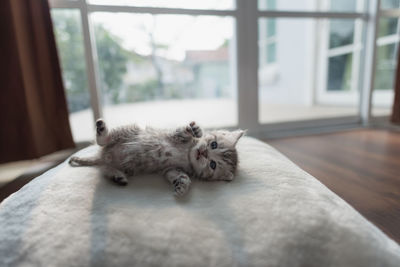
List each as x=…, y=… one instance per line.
x=272, y=214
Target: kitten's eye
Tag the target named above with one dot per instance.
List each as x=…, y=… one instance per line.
x=213, y=165
x=214, y=145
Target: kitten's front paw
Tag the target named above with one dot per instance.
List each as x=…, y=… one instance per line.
x=181, y=186
x=194, y=129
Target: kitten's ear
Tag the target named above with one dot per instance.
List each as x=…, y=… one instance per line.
x=235, y=135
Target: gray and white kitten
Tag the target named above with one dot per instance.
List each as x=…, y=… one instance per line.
x=179, y=155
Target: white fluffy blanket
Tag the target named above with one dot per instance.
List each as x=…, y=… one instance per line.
x=272, y=214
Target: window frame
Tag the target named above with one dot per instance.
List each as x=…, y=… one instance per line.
x=268, y=40
x=381, y=96
x=246, y=16
x=348, y=97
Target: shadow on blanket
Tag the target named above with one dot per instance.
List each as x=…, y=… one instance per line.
x=153, y=193
x=19, y=219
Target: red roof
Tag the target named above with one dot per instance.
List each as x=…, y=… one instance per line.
x=221, y=54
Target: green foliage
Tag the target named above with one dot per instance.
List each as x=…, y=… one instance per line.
x=112, y=60
x=112, y=63
x=142, y=92
x=70, y=49
x=148, y=90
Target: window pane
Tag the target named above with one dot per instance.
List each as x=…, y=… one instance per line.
x=339, y=72
x=312, y=5
x=383, y=94
x=341, y=32
x=386, y=60
x=166, y=70
x=343, y=5
x=267, y=32
x=390, y=4
x=69, y=38
x=271, y=27
x=304, y=82
x=271, y=52
x=190, y=4
x=270, y=4
x=385, y=67
x=387, y=26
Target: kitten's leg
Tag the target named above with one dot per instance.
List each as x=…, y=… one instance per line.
x=186, y=133
x=115, y=175
x=179, y=179
x=101, y=133
x=106, y=136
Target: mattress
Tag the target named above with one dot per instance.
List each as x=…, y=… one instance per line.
x=272, y=214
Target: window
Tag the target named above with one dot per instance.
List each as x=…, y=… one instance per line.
x=159, y=69
x=390, y=4
x=316, y=72
x=309, y=5
x=271, y=41
x=386, y=53
x=190, y=4
x=169, y=62
x=170, y=69
x=267, y=36
x=69, y=39
x=386, y=61
x=343, y=55
x=341, y=51
x=288, y=94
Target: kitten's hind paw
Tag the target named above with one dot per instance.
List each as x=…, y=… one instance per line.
x=181, y=186
x=100, y=126
x=120, y=180
x=101, y=133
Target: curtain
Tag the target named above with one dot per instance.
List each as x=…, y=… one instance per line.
x=396, y=104
x=33, y=110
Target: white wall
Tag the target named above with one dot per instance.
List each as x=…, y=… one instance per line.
x=290, y=79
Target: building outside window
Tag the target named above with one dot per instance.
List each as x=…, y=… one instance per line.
x=315, y=68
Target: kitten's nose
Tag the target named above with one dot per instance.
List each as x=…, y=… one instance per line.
x=205, y=153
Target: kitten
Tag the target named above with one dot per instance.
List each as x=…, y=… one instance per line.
x=179, y=155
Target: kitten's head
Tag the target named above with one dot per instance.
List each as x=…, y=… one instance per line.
x=214, y=157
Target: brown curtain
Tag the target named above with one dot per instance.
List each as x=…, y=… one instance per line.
x=396, y=104
x=33, y=110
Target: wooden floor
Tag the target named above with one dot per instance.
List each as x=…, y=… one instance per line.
x=361, y=166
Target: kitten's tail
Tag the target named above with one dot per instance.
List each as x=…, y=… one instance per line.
x=76, y=161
